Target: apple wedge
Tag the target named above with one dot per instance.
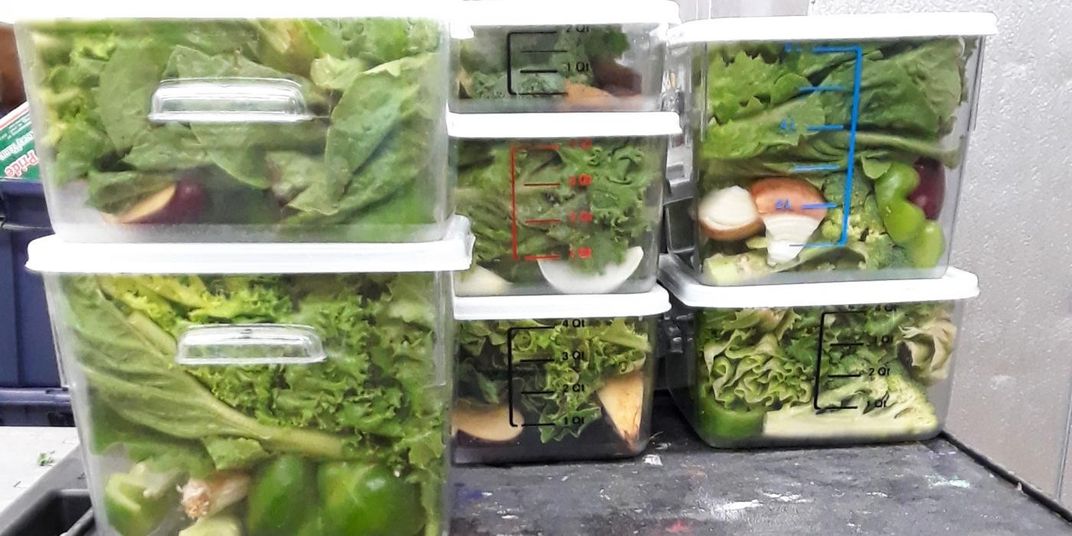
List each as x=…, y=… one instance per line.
x=491, y=424
x=623, y=403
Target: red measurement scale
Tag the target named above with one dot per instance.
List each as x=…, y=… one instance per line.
x=577, y=217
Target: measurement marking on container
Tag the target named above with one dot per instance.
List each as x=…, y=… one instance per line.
x=542, y=184
x=543, y=221
x=817, y=384
x=536, y=360
x=510, y=333
x=807, y=168
x=528, y=43
x=842, y=376
x=823, y=89
x=836, y=49
x=537, y=392
x=525, y=425
x=826, y=128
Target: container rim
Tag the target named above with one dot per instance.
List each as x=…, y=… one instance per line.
x=53, y=255
x=508, y=13
x=562, y=125
x=655, y=301
x=51, y=10
x=678, y=279
x=834, y=28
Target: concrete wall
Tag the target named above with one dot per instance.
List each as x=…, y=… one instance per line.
x=1012, y=388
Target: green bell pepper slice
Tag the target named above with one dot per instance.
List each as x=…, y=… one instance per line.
x=905, y=221
x=281, y=496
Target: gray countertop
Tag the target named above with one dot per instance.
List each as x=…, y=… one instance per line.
x=679, y=486
x=682, y=487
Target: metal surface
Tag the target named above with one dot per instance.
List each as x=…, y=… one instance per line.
x=683, y=487
x=1012, y=390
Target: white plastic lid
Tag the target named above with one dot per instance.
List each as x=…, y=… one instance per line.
x=562, y=125
x=675, y=276
x=834, y=28
x=655, y=301
x=453, y=252
x=512, y=13
x=43, y=10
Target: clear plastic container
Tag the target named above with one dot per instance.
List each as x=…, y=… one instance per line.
x=559, y=55
x=194, y=126
x=561, y=203
x=792, y=116
x=550, y=378
x=814, y=364
x=247, y=389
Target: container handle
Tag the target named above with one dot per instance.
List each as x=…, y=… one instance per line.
x=229, y=101
x=249, y=344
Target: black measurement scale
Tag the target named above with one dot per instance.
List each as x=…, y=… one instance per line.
x=848, y=346
x=531, y=62
x=521, y=364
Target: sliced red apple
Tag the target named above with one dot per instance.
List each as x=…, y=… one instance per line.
x=491, y=424
x=179, y=202
x=623, y=404
x=729, y=215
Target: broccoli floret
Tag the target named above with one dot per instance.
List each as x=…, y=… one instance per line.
x=891, y=406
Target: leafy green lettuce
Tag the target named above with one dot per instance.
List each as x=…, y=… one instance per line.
x=582, y=356
x=615, y=212
x=371, y=85
x=376, y=399
x=758, y=121
x=876, y=362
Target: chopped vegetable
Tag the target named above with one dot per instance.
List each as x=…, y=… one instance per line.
x=369, y=111
x=582, y=58
x=598, y=367
x=587, y=207
x=209, y=496
x=564, y=277
x=757, y=379
x=764, y=118
x=238, y=435
x=491, y=424
x=729, y=215
x=218, y=525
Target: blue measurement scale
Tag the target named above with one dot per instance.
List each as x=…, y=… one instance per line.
x=789, y=125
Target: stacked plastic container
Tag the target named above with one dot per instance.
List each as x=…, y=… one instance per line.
x=559, y=145
x=250, y=284
x=818, y=306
